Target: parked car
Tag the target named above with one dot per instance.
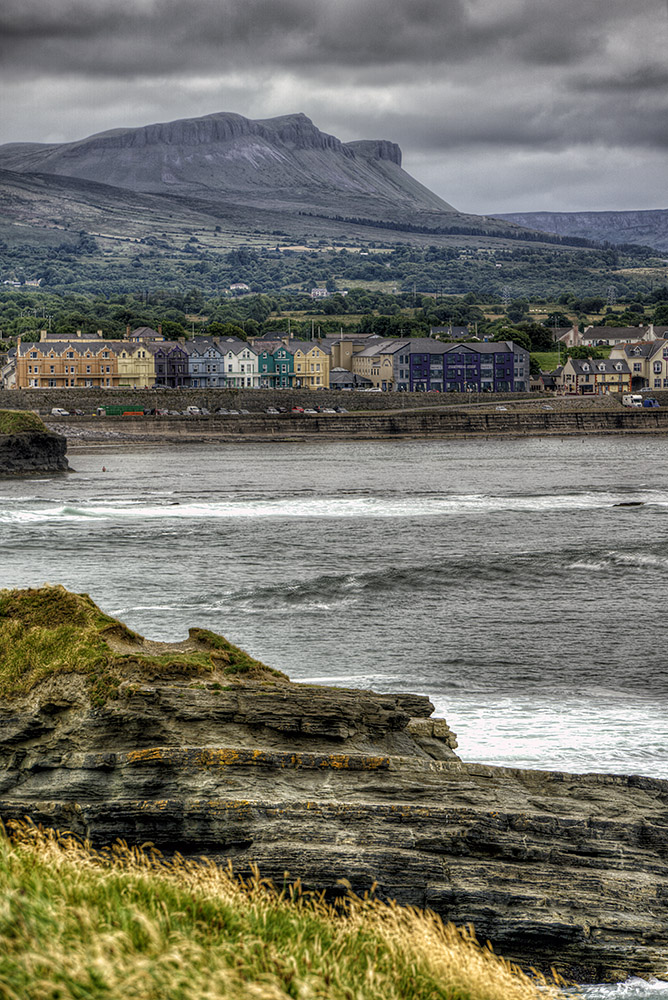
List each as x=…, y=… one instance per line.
x=58, y=411
x=340, y=409
x=310, y=412
x=650, y=403
x=297, y=409
x=271, y=409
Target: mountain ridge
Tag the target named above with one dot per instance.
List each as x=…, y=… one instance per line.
x=645, y=227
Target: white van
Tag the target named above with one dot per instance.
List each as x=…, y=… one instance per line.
x=632, y=400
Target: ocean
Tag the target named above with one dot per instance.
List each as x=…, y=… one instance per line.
x=500, y=577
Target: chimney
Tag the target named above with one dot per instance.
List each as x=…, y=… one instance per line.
x=42, y=335
x=160, y=329
x=99, y=333
x=127, y=331
x=78, y=333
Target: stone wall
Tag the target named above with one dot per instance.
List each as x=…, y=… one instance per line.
x=288, y=426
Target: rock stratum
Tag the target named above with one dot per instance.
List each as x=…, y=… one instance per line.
x=200, y=749
x=27, y=446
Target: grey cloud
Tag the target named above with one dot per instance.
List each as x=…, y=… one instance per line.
x=164, y=36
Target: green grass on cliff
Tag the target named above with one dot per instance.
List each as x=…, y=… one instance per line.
x=76, y=924
x=20, y=422
x=49, y=631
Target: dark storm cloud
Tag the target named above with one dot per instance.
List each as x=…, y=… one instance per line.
x=164, y=36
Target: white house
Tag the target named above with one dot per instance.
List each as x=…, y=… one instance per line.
x=241, y=366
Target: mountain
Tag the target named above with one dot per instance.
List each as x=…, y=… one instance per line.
x=646, y=228
x=279, y=163
x=230, y=174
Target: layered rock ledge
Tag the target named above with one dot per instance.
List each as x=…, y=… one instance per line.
x=200, y=749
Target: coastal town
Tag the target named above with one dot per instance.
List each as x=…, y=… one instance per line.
x=145, y=358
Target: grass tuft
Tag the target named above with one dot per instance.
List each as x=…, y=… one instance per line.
x=126, y=923
x=48, y=632
x=20, y=422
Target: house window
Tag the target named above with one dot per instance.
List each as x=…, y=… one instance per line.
x=637, y=367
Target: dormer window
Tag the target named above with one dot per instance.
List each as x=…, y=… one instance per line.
x=601, y=368
x=585, y=368
x=618, y=368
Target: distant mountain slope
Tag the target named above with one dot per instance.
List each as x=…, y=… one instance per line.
x=278, y=163
x=647, y=228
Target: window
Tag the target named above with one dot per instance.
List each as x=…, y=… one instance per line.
x=637, y=367
x=657, y=367
x=52, y=368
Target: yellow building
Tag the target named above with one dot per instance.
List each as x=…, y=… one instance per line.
x=66, y=364
x=377, y=363
x=311, y=365
x=589, y=376
x=136, y=365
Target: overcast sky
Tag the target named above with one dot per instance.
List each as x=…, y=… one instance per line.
x=498, y=105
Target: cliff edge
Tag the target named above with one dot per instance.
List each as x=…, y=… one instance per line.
x=26, y=445
x=201, y=749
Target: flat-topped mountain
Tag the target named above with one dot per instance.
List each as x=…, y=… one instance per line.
x=272, y=163
x=201, y=749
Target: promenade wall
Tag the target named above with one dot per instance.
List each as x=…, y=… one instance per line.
x=290, y=427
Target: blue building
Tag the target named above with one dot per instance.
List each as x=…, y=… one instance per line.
x=425, y=365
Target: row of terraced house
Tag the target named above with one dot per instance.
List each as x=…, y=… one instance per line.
x=144, y=359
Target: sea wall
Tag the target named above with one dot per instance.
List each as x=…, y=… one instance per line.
x=450, y=423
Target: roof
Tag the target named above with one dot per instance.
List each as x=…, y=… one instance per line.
x=59, y=347
x=615, y=332
x=605, y=366
x=145, y=333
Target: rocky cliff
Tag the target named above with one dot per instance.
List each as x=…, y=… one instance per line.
x=200, y=749
x=27, y=446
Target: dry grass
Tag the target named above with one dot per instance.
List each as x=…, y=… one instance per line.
x=79, y=924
